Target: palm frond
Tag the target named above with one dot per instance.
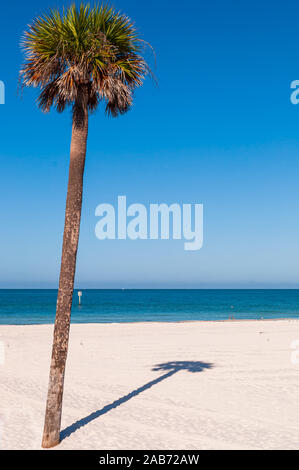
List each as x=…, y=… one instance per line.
x=82, y=46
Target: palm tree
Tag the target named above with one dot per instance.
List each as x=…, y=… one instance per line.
x=78, y=58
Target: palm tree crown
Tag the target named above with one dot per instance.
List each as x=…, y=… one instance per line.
x=95, y=48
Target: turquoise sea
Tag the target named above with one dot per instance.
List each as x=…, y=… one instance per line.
x=35, y=306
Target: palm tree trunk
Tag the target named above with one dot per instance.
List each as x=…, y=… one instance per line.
x=51, y=435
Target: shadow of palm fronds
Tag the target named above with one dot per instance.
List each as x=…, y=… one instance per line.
x=190, y=366
x=171, y=368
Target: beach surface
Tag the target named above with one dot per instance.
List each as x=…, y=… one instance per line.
x=193, y=385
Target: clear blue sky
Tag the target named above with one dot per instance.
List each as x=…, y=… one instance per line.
x=219, y=130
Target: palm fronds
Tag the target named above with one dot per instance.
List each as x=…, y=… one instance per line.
x=96, y=47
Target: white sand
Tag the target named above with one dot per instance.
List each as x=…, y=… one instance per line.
x=249, y=398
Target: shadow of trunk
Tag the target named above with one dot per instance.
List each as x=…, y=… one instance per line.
x=96, y=414
x=172, y=367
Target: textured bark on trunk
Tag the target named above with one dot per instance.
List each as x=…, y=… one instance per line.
x=51, y=435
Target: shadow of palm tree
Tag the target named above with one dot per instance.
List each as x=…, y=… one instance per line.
x=171, y=368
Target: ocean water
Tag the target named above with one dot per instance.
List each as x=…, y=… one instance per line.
x=37, y=306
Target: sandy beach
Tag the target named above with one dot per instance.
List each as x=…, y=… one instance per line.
x=194, y=385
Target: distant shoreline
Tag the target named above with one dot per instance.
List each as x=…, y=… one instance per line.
x=151, y=288
x=236, y=320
